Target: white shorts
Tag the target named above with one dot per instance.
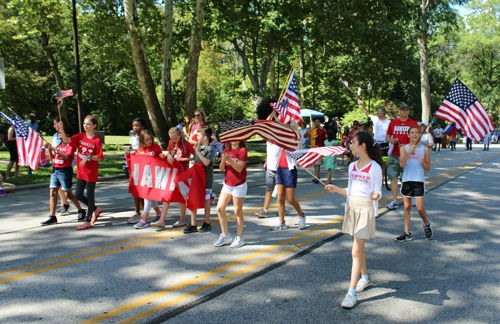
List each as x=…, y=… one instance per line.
x=319, y=162
x=236, y=191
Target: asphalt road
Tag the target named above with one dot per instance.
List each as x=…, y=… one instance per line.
x=114, y=273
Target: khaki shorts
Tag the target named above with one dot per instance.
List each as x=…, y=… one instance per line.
x=319, y=162
x=394, y=170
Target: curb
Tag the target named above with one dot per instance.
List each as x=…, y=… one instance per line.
x=46, y=185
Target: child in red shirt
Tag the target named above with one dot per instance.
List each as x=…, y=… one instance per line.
x=179, y=154
x=62, y=175
x=89, y=153
x=147, y=146
x=234, y=165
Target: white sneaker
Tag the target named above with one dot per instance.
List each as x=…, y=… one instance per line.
x=362, y=284
x=262, y=214
x=157, y=224
x=179, y=224
x=278, y=227
x=302, y=222
x=349, y=301
x=238, y=242
x=392, y=205
x=224, y=240
x=134, y=219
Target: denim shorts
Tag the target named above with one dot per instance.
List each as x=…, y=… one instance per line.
x=61, y=177
x=286, y=177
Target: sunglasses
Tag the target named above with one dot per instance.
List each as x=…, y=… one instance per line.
x=197, y=115
x=356, y=124
x=148, y=139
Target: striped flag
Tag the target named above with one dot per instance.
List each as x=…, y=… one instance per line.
x=463, y=108
x=344, y=82
x=29, y=143
x=272, y=131
x=61, y=94
x=288, y=108
x=308, y=157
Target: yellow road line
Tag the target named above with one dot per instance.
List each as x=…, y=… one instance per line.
x=184, y=284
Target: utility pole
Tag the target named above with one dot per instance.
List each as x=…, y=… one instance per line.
x=77, y=64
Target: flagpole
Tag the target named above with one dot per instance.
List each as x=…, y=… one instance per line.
x=311, y=174
x=12, y=111
x=354, y=93
x=59, y=110
x=286, y=83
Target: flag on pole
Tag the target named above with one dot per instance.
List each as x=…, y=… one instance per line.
x=344, y=82
x=272, y=131
x=463, y=108
x=61, y=94
x=308, y=157
x=28, y=142
x=7, y=118
x=450, y=129
x=288, y=108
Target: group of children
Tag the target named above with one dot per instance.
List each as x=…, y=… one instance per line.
x=362, y=193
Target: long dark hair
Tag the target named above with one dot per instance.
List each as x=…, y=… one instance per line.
x=373, y=149
x=331, y=135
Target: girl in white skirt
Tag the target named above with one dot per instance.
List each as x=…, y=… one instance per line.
x=363, y=192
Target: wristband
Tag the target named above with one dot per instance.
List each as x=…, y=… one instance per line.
x=89, y=157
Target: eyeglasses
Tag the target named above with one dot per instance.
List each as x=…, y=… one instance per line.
x=198, y=115
x=148, y=139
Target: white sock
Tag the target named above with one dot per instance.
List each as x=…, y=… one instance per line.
x=264, y=210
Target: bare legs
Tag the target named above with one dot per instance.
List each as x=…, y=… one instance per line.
x=358, y=261
x=224, y=199
x=420, y=208
x=290, y=195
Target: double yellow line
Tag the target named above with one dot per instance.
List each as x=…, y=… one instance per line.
x=199, y=290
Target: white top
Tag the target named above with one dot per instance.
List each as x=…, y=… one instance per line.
x=302, y=132
x=414, y=170
x=363, y=182
x=134, y=142
x=438, y=132
x=273, y=158
x=380, y=128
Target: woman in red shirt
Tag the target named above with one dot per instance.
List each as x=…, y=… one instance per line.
x=179, y=154
x=234, y=165
x=201, y=121
x=148, y=146
x=89, y=153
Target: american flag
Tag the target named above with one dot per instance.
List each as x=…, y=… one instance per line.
x=308, y=157
x=61, y=94
x=29, y=143
x=344, y=82
x=288, y=108
x=272, y=131
x=463, y=108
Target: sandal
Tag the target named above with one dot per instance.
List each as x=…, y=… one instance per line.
x=95, y=216
x=83, y=227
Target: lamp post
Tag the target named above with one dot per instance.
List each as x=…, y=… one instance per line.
x=77, y=66
x=369, y=93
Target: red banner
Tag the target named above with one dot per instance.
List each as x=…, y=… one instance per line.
x=153, y=178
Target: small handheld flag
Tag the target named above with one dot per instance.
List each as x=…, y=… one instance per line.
x=61, y=94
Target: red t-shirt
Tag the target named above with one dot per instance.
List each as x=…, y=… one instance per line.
x=153, y=150
x=179, y=152
x=195, y=128
x=232, y=177
x=320, y=137
x=399, y=130
x=283, y=161
x=344, y=138
x=86, y=146
x=59, y=162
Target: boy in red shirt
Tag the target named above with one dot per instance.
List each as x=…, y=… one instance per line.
x=397, y=134
x=62, y=175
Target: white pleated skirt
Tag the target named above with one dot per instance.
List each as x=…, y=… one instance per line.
x=359, y=218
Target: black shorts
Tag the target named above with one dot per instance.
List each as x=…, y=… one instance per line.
x=438, y=140
x=412, y=189
x=384, y=148
x=13, y=151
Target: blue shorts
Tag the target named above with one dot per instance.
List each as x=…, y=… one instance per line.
x=61, y=177
x=286, y=177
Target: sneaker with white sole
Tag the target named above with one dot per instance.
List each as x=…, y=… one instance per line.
x=349, y=301
x=2, y=193
x=362, y=284
x=134, y=219
x=157, y=224
x=404, y=237
x=179, y=224
x=428, y=230
x=262, y=214
x=157, y=218
x=141, y=225
x=302, y=222
x=279, y=227
x=64, y=210
x=224, y=240
x=393, y=205
x=238, y=242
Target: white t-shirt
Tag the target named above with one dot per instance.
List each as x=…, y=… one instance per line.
x=363, y=182
x=134, y=142
x=302, y=132
x=273, y=156
x=438, y=132
x=380, y=128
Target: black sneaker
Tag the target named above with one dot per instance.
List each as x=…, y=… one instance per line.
x=49, y=221
x=428, y=231
x=404, y=237
x=64, y=210
x=190, y=229
x=205, y=227
x=81, y=215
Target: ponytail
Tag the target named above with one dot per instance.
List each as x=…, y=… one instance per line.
x=372, y=148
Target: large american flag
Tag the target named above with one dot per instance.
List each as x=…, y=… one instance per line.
x=308, y=157
x=29, y=143
x=463, y=108
x=61, y=94
x=272, y=131
x=288, y=108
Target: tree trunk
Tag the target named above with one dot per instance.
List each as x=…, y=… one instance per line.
x=44, y=37
x=424, y=63
x=160, y=125
x=272, y=78
x=166, y=77
x=193, y=58
x=302, y=74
